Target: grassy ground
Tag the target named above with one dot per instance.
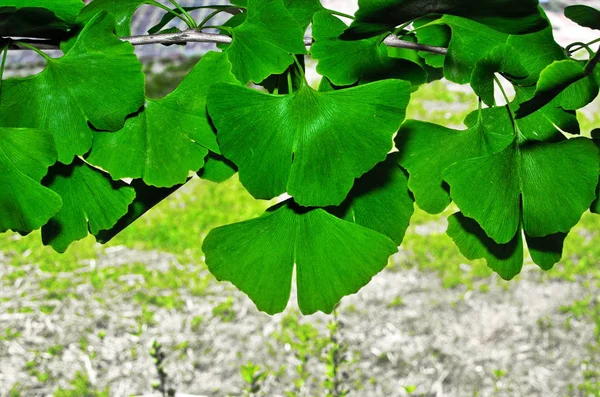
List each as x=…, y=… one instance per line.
x=178, y=225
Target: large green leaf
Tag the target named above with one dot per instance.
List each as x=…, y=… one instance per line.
x=547, y=186
x=504, y=259
x=121, y=10
x=171, y=136
x=347, y=62
x=333, y=257
x=380, y=200
x=472, y=41
x=583, y=15
x=310, y=144
x=264, y=43
x=99, y=81
x=303, y=10
x=567, y=83
x=38, y=18
x=427, y=149
x=25, y=155
x=91, y=202
x=510, y=16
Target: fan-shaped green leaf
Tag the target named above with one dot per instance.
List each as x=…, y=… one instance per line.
x=265, y=42
x=57, y=101
x=509, y=16
x=25, y=155
x=38, y=18
x=91, y=201
x=310, y=144
x=583, y=15
x=426, y=150
x=171, y=136
x=303, y=10
x=547, y=186
x=217, y=168
x=333, y=257
x=346, y=62
x=380, y=200
x=121, y=10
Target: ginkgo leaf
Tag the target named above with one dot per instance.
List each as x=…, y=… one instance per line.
x=303, y=10
x=121, y=10
x=504, y=259
x=500, y=60
x=567, y=83
x=380, y=200
x=427, y=149
x=38, y=18
x=510, y=16
x=472, y=41
x=547, y=186
x=217, y=168
x=264, y=43
x=146, y=198
x=433, y=35
x=171, y=136
x=346, y=62
x=583, y=15
x=310, y=144
x=333, y=258
x=25, y=155
x=57, y=100
x=91, y=202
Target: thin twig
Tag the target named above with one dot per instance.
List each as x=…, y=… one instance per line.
x=194, y=36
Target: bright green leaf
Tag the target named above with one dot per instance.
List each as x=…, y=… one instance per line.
x=547, y=186
x=121, y=10
x=310, y=144
x=586, y=16
x=171, y=136
x=347, y=62
x=91, y=201
x=427, y=149
x=303, y=10
x=217, y=168
x=58, y=101
x=333, y=258
x=509, y=16
x=25, y=155
x=265, y=42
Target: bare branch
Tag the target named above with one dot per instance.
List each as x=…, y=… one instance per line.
x=194, y=36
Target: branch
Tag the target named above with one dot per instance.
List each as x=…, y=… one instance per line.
x=194, y=36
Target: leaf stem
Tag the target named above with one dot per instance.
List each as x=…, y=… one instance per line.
x=170, y=11
x=400, y=28
x=35, y=49
x=591, y=65
x=4, y=54
x=300, y=69
x=289, y=82
x=184, y=12
x=208, y=18
x=341, y=14
x=570, y=50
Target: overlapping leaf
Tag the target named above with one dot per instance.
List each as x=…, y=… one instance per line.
x=91, y=202
x=347, y=62
x=25, y=155
x=310, y=144
x=510, y=16
x=583, y=15
x=217, y=168
x=547, y=186
x=427, y=149
x=303, y=10
x=57, y=101
x=504, y=259
x=171, y=136
x=38, y=18
x=264, y=43
x=121, y=10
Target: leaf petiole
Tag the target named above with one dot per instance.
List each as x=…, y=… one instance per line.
x=35, y=49
x=208, y=18
x=192, y=23
x=4, y=54
x=172, y=12
x=300, y=69
x=340, y=14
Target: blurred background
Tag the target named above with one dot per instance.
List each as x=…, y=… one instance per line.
x=432, y=324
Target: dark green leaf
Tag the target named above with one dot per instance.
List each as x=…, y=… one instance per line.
x=121, y=10
x=38, y=18
x=547, y=186
x=91, y=201
x=586, y=16
x=509, y=16
x=168, y=17
x=25, y=155
x=310, y=144
x=217, y=168
x=333, y=257
x=380, y=200
x=171, y=136
x=347, y=62
x=265, y=42
x=426, y=150
x=56, y=99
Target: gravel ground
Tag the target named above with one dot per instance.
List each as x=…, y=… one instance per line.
x=447, y=342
